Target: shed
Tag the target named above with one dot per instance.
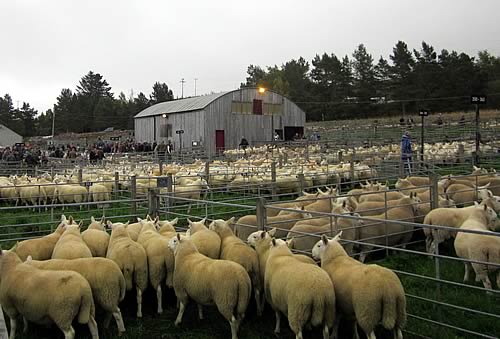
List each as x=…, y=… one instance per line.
x=8, y=137
x=218, y=121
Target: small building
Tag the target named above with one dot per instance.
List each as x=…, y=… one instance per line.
x=218, y=121
x=8, y=137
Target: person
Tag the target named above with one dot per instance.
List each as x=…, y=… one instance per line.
x=276, y=136
x=402, y=121
x=169, y=149
x=462, y=120
x=406, y=152
x=440, y=119
x=161, y=148
x=243, y=143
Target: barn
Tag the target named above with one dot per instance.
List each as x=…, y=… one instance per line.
x=8, y=137
x=218, y=121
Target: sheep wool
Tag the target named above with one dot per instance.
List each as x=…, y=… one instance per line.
x=131, y=259
x=96, y=238
x=234, y=249
x=206, y=241
x=105, y=279
x=71, y=245
x=284, y=284
x=369, y=293
x=208, y=281
x=66, y=296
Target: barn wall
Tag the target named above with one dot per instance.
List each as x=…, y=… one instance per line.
x=143, y=128
x=255, y=128
x=9, y=137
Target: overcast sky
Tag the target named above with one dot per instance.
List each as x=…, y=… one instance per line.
x=49, y=45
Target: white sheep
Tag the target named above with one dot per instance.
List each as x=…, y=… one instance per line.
x=206, y=241
x=132, y=260
x=105, y=279
x=45, y=296
x=234, y=249
x=208, y=281
x=71, y=245
x=96, y=238
x=301, y=291
x=369, y=293
x=479, y=247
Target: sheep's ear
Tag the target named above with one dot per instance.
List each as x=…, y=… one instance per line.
x=92, y=219
x=262, y=234
x=490, y=194
x=476, y=203
x=109, y=223
x=157, y=219
x=324, y=239
x=272, y=232
x=102, y=220
x=140, y=219
x=29, y=259
x=179, y=236
x=273, y=241
x=80, y=223
x=485, y=207
x=343, y=204
x=70, y=220
x=337, y=237
x=203, y=221
x=13, y=249
x=231, y=220
x=189, y=221
x=290, y=242
x=126, y=224
x=175, y=221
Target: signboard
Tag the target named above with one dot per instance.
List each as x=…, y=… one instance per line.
x=162, y=182
x=87, y=183
x=478, y=99
x=179, y=131
x=423, y=113
x=114, y=138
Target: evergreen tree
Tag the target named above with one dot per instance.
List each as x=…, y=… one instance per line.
x=364, y=73
x=161, y=93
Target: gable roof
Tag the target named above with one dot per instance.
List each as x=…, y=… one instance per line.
x=181, y=105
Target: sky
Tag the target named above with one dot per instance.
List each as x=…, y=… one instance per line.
x=48, y=45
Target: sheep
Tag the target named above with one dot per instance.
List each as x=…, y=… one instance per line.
x=71, y=245
x=451, y=217
x=167, y=228
x=247, y=224
x=234, y=249
x=389, y=195
x=41, y=248
x=32, y=194
x=466, y=195
x=132, y=260
x=261, y=241
x=208, y=281
x=284, y=282
x=479, y=247
x=369, y=208
x=96, y=238
x=45, y=296
x=302, y=201
x=206, y=241
x=99, y=192
x=160, y=258
x=70, y=194
x=134, y=230
x=105, y=279
x=370, y=294
x=302, y=242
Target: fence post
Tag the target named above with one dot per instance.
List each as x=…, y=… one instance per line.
x=80, y=176
x=280, y=161
x=170, y=185
x=285, y=158
x=133, y=194
x=301, y=180
x=340, y=156
x=160, y=163
x=117, y=183
x=153, y=202
x=307, y=150
x=433, y=180
x=461, y=152
x=351, y=169
x=261, y=214
x=207, y=172
x=273, y=179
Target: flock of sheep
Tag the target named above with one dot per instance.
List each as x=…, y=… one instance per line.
x=228, y=261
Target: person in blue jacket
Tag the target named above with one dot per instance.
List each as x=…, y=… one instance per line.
x=406, y=152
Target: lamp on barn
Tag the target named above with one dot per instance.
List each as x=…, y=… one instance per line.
x=262, y=90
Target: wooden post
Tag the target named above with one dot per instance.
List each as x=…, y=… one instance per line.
x=285, y=158
x=80, y=176
x=351, y=169
x=160, y=163
x=340, y=156
x=116, y=185
x=133, y=194
x=207, y=172
x=301, y=179
x=153, y=202
x=461, y=152
x=433, y=180
x=273, y=179
x=261, y=214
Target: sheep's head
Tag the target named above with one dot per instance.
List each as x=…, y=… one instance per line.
x=167, y=226
x=256, y=237
x=319, y=249
x=196, y=226
x=174, y=242
x=220, y=226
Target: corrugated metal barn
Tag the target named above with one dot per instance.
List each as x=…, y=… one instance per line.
x=219, y=121
x=8, y=137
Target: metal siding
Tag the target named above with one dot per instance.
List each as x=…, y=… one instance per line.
x=8, y=137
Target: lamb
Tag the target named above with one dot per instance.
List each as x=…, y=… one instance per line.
x=70, y=194
x=41, y=248
x=234, y=249
x=451, y=217
x=96, y=238
x=206, y=241
x=132, y=260
x=479, y=247
x=261, y=241
x=208, y=281
x=99, y=192
x=284, y=283
x=71, y=245
x=160, y=258
x=105, y=279
x=370, y=294
x=65, y=295
x=466, y=195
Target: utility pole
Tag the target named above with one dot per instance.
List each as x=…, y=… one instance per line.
x=53, y=124
x=182, y=87
x=195, y=79
x=477, y=100
x=423, y=114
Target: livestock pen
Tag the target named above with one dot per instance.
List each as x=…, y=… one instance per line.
x=437, y=300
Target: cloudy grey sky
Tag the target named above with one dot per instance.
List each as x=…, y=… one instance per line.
x=47, y=45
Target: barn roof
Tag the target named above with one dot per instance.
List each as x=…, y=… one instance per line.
x=181, y=105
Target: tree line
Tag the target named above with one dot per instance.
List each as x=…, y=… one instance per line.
x=92, y=106
x=333, y=87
